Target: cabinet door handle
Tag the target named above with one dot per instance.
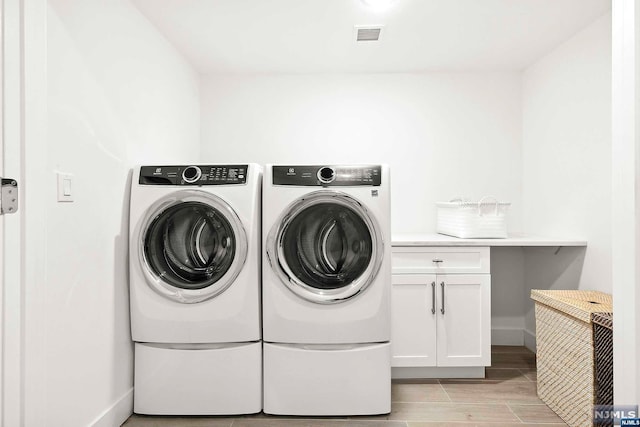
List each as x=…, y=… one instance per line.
x=433, y=297
x=442, y=286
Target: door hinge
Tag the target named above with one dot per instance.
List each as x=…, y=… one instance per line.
x=8, y=196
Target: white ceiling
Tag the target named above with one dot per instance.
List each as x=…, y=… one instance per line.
x=314, y=36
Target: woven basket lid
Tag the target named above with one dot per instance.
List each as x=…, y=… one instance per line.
x=578, y=304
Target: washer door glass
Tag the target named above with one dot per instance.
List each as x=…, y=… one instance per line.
x=328, y=247
x=193, y=246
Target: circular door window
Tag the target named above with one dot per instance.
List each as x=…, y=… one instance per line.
x=326, y=248
x=192, y=246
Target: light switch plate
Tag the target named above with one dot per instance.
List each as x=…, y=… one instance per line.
x=65, y=187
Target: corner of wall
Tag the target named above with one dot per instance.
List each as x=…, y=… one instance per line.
x=117, y=413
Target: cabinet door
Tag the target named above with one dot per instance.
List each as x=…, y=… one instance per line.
x=413, y=323
x=464, y=320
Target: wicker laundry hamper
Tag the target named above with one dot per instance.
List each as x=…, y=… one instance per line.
x=603, y=353
x=565, y=350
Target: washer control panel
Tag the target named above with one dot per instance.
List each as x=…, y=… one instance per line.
x=327, y=175
x=193, y=175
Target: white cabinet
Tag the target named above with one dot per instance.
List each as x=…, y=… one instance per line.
x=413, y=325
x=463, y=326
x=441, y=309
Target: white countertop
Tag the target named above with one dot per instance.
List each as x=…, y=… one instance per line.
x=434, y=239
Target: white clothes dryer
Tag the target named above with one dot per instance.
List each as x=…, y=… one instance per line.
x=194, y=264
x=326, y=290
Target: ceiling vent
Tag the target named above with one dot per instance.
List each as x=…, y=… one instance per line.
x=368, y=33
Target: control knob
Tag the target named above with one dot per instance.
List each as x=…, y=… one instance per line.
x=191, y=174
x=326, y=174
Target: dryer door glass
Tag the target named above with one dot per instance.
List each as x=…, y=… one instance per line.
x=191, y=249
x=329, y=248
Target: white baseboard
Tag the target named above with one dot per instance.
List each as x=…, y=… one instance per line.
x=117, y=413
x=436, y=372
x=530, y=340
x=507, y=336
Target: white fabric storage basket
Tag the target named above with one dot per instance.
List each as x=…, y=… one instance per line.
x=473, y=220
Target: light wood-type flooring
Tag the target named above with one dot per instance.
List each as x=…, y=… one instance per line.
x=505, y=398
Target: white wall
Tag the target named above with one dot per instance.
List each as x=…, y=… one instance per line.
x=443, y=134
x=566, y=148
x=507, y=295
x=118, y=94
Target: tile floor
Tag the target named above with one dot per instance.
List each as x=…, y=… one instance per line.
x=505, y=398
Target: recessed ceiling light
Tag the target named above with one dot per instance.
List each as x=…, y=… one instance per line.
x=378, y=5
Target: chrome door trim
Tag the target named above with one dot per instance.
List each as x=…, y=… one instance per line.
x=275, y=252
x=190, y=296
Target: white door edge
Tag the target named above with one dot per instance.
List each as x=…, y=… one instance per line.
x=11, y=296
x=24, y=97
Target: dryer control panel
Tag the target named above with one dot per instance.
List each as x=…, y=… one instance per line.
x=328, y=175
x=193, y=175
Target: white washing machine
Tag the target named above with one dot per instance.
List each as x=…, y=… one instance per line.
x=194, y=266
x=326, y=289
